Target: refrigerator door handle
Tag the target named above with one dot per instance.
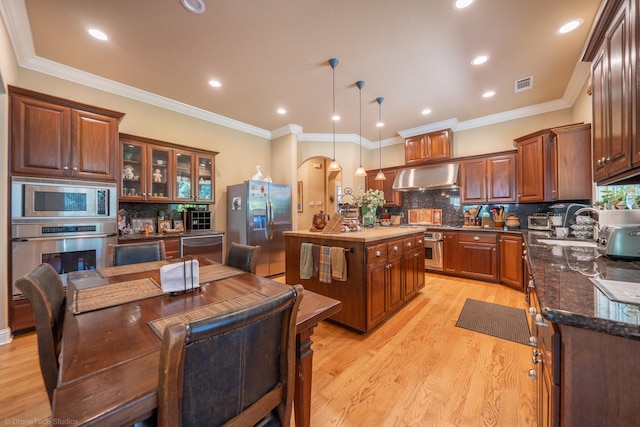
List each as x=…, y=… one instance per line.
x=269, y=220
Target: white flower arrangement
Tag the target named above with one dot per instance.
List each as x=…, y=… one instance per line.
x=371, y=198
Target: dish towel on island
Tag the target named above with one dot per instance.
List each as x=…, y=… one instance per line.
x=306, y=260
x=324, y=267
x=338, y=263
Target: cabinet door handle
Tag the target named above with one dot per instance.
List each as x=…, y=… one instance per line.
x=533, y=340
x=532, y=374
x=419, y=242
x=65, y=167
x=395, y=248
x=409, y=244
x=476, y=238
x=378, y=253
x=537, y=357
x=75, y=168
x=532, y=311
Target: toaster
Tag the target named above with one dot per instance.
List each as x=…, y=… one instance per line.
x=620, y=241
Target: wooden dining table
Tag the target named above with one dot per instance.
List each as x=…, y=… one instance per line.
x=109, y=358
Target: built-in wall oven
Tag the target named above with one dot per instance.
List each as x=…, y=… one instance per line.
x=68, y=224
x=433, y=250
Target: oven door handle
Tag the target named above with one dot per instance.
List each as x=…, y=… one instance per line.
x=80, y=236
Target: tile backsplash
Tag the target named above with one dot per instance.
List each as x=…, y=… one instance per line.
x=453, y=212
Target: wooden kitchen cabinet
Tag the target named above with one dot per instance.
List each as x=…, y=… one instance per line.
x=512, y=250
x=413, y=266
x=450, y=259
x=157, y=171
x=478, y=255
x=376, y=273
x=428, y=147
x=491, y=179
x=613, y=51
x=194, y=177
x=58, y=138
x=146, y=169
x=391, y=197
x=384, y=284
x=554, y=164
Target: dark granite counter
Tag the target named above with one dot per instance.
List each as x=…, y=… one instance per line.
x=151, y=236
x=562, y=277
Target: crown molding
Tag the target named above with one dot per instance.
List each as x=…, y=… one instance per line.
x=16, y=20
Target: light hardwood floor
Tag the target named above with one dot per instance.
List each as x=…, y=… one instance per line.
x=416, y=369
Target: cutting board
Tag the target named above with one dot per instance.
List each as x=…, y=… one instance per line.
x=424, y=216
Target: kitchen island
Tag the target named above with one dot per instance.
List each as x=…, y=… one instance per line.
x=586, y=345
x=385, y=269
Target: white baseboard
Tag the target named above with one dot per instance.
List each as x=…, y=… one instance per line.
x=5, y=336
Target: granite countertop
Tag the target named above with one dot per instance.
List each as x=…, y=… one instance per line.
x=562, y=277
x=188, y=233
x=366, y=235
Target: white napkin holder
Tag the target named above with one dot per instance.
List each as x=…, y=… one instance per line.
x=180, y=277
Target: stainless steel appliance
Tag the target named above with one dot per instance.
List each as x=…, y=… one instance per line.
x=259, y=212
x=208, y=245
x=68, y=224
x=52, y=198
x=433, y=242
x=620, y=241
x=539, y=222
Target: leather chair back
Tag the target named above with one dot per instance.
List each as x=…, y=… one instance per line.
x=135, y=253
x=244, y=257
x=45, y=292
x=236, y=367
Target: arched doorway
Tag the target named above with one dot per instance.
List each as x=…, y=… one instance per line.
x=318, y=190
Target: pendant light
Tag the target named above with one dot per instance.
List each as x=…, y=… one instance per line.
x=380, y=176
x=360, y=171
x=334, y=166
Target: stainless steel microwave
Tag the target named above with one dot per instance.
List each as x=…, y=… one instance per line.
x=52, y=198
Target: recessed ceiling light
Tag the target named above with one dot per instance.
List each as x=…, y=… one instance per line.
x=488, y=94
x=480, y=60
x=335, y=118
x=379, y=124
x=97, y=34
x=282, y=111
x=215, y=83
x=426, y=111
x=570, y=26
x=193, y=6
x=461, y=4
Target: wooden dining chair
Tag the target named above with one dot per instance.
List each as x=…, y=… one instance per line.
x=244, y=257
x=45, y=292
x=236, y=367
x=135, y=253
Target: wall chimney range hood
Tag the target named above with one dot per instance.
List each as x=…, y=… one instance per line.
x=427, y=178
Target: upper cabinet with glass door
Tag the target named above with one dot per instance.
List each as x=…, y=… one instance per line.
x=194, y=176
x=159, y=171
x=134, y=157
x=156, y=171
x=205, y=178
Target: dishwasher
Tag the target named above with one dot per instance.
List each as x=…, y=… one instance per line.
x=207, y=245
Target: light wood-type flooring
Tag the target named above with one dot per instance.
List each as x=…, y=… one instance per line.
x=416, y=369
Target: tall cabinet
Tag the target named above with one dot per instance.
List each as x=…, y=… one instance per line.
x=613, y=51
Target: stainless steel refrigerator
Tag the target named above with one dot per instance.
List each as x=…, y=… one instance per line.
x=258, y=213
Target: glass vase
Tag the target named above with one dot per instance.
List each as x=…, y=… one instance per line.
x=368, y=216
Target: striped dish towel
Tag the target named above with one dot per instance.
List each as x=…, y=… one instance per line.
x=324, y=273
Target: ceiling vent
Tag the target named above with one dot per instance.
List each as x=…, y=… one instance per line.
x=524, y=84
